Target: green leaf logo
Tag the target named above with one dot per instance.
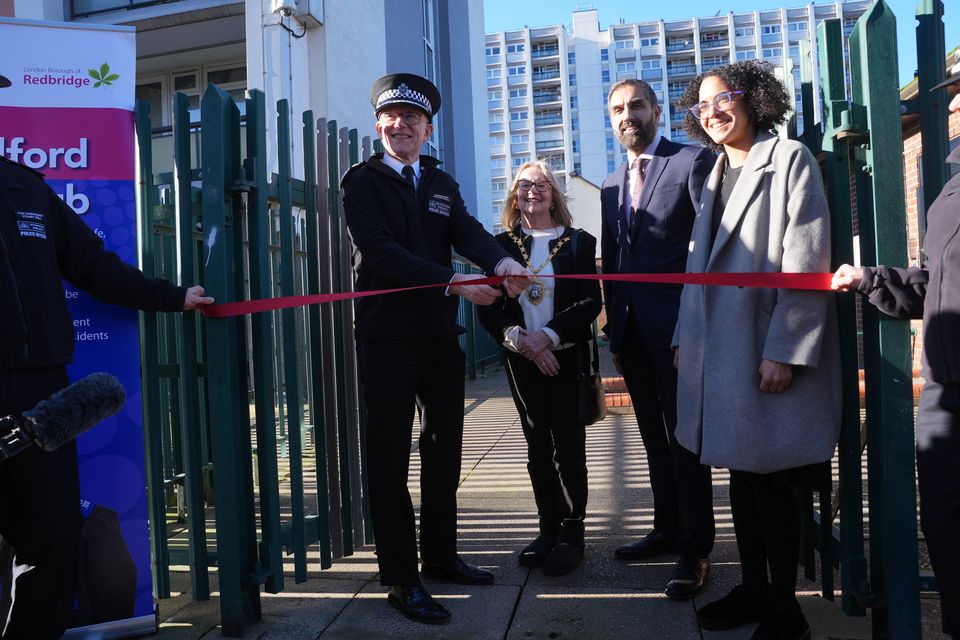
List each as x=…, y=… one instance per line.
x=102, y=75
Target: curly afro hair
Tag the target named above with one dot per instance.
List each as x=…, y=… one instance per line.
x=766, y=98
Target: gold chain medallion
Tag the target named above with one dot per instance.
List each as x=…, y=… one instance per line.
x=535, y=290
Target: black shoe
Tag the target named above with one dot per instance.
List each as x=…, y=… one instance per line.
x=783, y=622
x=739, y=607
x=652, y=544
x=690, y=577
x=456, y=571
x=415, y=603
x=563, y=559
x=535, y=553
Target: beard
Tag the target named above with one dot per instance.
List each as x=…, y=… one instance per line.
x=639, y=140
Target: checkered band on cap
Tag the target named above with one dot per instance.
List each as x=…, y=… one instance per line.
x=403, y=93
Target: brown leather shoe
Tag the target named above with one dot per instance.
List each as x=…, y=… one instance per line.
x=690, y=577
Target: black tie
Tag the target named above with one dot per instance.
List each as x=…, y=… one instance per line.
x=408, y=176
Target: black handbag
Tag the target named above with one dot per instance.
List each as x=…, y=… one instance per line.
x=591, y=402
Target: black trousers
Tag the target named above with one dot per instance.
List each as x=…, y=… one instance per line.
x=938, y=451
x=768, y=521
x=39, y=517
x=556, y=441
x=682, y=487
x=397, y=377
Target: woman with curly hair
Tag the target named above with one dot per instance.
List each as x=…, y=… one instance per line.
x=759, y=369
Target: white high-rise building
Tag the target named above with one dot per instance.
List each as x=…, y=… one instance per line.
x=547, y=86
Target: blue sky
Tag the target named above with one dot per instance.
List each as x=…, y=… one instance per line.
x=502, y=15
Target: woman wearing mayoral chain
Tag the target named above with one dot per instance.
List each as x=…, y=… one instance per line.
x=545, y=336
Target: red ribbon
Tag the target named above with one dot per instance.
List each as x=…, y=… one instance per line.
x=776, y=280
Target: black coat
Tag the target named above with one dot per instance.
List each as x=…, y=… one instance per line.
x=931, y=291
x=42, y=242
x=404, y=239
x=576, y=303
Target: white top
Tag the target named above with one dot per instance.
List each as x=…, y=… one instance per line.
x=536, y=316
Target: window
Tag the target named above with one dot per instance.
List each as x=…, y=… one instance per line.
x=496, y=116
x=493, y=51
x=712, y=36
x=571, y=58
x=496, y=139
x=518, y=93
x=519, y=138
x=498, y=163
x=605, y=75
x=159, y=90
x=797, y=26
x=493, y=73
x=650, y=64
x=574, y=123
x=769, y=29
x=518, y=70
x=604, y=55
x=611, y=165
x=747, y=55
x=573, y=102
x=519, y=160
x=795, y=50
x=494, y=94
x=572, y=78
x=773, y=52
x=624, y=44
x=609, y=142
x=741, y=32
x=516, y=116
x=656, y=86
x=623, y=67
x=498, y=185
x=649, y=42
x=515, y=48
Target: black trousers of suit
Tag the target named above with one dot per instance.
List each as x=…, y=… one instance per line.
x=399, y=376
x=556, y=441
x=938, y=450
x=40, y=517
x=682, y=487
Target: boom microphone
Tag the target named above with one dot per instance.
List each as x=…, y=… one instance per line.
x=64, y=416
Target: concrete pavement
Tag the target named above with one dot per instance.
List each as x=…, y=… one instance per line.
x=602, y=599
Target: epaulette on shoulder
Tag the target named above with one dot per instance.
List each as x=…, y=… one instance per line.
x=349, y=174
x=11, y=163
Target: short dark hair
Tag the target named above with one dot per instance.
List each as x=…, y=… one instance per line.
x=633, y=82
x=767, y=100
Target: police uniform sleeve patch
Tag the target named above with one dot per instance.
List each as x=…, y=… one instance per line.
x=439, y=205
x=31, y=225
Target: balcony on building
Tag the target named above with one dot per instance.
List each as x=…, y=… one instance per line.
x=540, y=50
x=548, y=145
x=714, y=40
x=494, y=81
x=494, y=105
x=498, y=149
x=548, y=119
x=651, y=75
x=546, y=73
x=678, y=135
x=520, y=79
x=545, y=98
x=625, y=54
x=677, y=44
x=498, y=172
x=496, y=126
x=714, y=62
x=682, y=67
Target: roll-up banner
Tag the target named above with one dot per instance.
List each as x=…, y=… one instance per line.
x=68, y=113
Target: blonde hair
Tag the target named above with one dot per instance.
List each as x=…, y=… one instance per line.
x=559, y=212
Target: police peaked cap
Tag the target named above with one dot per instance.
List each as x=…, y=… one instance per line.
x=954, y=73
x=4, y=82
x=405, y=89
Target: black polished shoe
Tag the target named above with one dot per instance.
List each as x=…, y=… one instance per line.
x=783, y=622
x=652, y=544
x=415, y=603
x=456, y=571
x=535, y=553
x=690, y=577
x=737, y=608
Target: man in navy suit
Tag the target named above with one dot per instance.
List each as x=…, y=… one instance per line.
x=648, y=207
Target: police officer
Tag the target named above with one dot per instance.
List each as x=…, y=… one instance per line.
x=404, y=215
x=42, y=243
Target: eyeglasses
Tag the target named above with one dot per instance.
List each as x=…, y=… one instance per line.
x=526, y=185
x=409, y=117
x=723, y=101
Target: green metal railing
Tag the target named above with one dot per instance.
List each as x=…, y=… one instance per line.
x=241, y=412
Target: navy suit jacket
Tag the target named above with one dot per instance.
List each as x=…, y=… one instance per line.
x=657, y=242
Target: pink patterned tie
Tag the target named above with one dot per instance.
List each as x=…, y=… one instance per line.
x=639, y=165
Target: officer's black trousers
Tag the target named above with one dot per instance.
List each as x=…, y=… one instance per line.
x=398, y=376
x=39, y=517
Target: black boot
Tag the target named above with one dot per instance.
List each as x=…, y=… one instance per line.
x=568, y=553
x=783, y=622
x=535, y=553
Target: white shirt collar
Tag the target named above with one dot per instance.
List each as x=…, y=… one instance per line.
x=647, y=153
x=398, y=166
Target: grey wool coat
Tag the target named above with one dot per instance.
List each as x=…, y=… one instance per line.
x=776, y=220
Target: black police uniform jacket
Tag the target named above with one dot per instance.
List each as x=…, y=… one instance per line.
x=931, y=291
x=403, y=238
x=42, y=243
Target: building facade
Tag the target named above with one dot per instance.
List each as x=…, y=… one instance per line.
x=547, y=87
x=318, y=55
